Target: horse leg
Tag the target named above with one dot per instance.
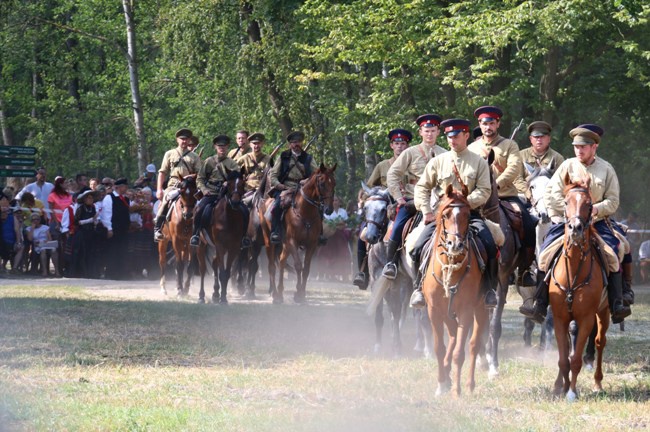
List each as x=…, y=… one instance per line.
x=189, y=268
x=216, y=264
x=270, y=255
x=562, y=338
x=202, y=269
x=393, y=299
x=437, y=329
x=301, y=288
x=584, y=330
x=162, y=263
x=240, y=266
x=495, y=330
x=283, y=262
x=224, y=275
x=465, y=322
x=601, y=340
x=452, y=337
x=547, y=330
x=180, y=266
x=590, y=352
x=480, y=321
x=529, y=326
x=379, y=325
x=253, y=267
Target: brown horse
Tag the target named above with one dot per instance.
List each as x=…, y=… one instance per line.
x=451, y=288
x=179, y=231
x=576, y=292
x=303, y=226
x=222, y=238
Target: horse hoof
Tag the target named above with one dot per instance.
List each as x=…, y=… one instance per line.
x=571, y=396
x=250, y=296
x=163, y=291
x=376, y=350
x=223, y=302
x=493, y=372
x=201, y=301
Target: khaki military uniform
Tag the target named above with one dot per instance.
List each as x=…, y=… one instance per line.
x=213, y=174
x=405, y=172
x=176, y=165
x=297, y=172
x=439, y=173
x=604, y=187
x=506, y=156
x=236, y=153
x=378, y=176
x=252, y=167
x=528, y=156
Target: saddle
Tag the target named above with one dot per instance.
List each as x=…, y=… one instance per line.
x=605, y=254
x=513, y=214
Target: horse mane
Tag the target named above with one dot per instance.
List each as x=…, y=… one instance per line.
x=450, y=196
x=583, y=183
x=232, y=175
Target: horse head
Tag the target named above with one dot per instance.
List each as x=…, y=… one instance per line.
x=187, y=188
x=234, y=186
x=319, y=188
x=453, y=221
x=375, y=213
x=577, y=208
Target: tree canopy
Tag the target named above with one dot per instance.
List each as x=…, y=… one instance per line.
x=346, y=71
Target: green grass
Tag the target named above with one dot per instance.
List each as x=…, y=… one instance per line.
x=70, y=360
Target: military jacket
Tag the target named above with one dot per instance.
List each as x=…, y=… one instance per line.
x=235, y=154
x=405, y=172
x=290, y=170
x=439, y=173
x=176, y=165
x=604, y=187
x=213, y=173
x=506, y=156
x=378, y=176
x=528, y=156
x=252, y=168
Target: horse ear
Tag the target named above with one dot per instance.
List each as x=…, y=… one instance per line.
x=464, y=190
x=550, y=167
x=529, y=168
x=449, y=190
x=334, y=167
x=322, y=167
x=365, y=188
x=567, y=178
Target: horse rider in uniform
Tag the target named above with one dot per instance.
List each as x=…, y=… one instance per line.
x=402, y=176
x=399, y=141
x=626, y=265
x=539, y=154
x=294, y=166
x=177, y=163
x=459, y=164
x=604, y=189
x=254, y=163
x=243, y=145
x=211, y=181
x=506, y=167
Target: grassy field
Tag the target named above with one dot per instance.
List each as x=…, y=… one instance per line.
x=71, y=359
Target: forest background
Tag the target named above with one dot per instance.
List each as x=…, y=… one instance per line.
x=100, y=86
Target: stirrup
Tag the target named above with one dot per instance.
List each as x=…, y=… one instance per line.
x=620, y=312
x=195, y=240
x=490, y=299
x=275, y=238
x=158, y=236
x=390, y=271
x=246, y=242
x=533, y=313
x=417, y=300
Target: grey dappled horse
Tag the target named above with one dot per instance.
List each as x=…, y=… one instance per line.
x=396, y=293
x=537, y=180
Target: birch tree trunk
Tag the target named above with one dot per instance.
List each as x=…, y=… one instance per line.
x=138, y=115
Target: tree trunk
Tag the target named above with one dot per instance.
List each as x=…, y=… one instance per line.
x=6, y=130
x=138, y=115
x=549, y=83
x=280, y=111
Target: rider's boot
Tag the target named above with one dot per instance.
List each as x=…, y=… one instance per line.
x=537, y=312
x=195, y=240
x=525, y=277
x=276, y=216
x=390, y=269
x=417, y=298
x=490, y=279
x=361, y=278
x=246, y=240
x=628, y=294
x=157, y=229
x=618, y=310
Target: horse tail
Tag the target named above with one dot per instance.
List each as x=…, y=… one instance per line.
x=377, y=294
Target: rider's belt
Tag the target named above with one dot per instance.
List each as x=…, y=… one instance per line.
x=217, y=183
x=295, y=180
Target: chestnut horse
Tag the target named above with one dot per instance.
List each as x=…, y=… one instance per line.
x=303, y=226
x=576, y=292
x=179, y=231
x=222, y=238
x=451, y=288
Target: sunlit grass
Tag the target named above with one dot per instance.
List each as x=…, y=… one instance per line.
x=73, y=361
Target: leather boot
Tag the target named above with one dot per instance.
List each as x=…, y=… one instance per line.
x=390, y=269
x=196, y=227
x=361, y=279
x=157, y=229
x=417, y=298
x=615, y=296
x=276, y=214
x=489, y=281
x=537, y=312
x=628, y=294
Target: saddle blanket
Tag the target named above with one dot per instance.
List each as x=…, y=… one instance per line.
x=613, y=261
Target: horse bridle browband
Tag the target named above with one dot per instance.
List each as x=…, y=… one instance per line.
x=384, y=223
x=587, y=222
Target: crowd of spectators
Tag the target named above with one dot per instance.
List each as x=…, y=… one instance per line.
x=65, y=228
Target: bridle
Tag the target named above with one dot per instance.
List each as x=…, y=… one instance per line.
x=187, y=211
x=383, y=225
x=321, y=197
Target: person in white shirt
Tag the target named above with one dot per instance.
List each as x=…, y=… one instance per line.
x=41, y=189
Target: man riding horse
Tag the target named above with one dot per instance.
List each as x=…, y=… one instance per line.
x=452, y=168
x=402, y=176
x=254, y=163
x=211, y=181
x=604, y=189
x=294, y=166
x=177, y=163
